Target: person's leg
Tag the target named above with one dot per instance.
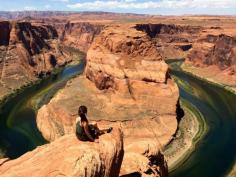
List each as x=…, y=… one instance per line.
x=82, y=137
x=100, y=131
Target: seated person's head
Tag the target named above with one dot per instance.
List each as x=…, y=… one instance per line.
x=82, y=110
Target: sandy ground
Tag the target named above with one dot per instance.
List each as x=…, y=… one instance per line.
x=215, y=77
x=191, y=129
x=233, y=171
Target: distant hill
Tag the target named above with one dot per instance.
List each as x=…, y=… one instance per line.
x=42, y=14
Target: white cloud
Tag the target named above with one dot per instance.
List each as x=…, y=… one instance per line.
x=48, y=6
x=61, y=0
x=130, y=0
x=134, y=4
x=29, y=8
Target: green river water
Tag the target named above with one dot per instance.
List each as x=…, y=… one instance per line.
x=215, y=153
x=213, y=156
x=18, y=130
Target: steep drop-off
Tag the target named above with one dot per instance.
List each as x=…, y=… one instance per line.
x=210, y=51
x=69, y=157
x=126, y=83
x=206, y=46
x=27, y=51
x=219, y=50
x=79, y=35
x=172, y=41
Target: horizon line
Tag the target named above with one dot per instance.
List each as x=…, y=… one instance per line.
x=143, y=14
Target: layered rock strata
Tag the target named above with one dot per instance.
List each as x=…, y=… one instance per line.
x=69, y=157
x=213, y=57
x=209, y=50
x=27, y=51
x=206, y=45
x=79, y=35
x=172, y=41
x=125, y=84
x=218, y=50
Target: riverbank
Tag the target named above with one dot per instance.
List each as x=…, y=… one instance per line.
x=224, y=94
x=232, y=173
x=75, y=57
x=191, y=129
x=46, y=94
x=17, y=116
x=212, y=78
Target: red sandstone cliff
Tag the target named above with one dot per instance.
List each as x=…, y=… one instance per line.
x=219, y=50
x=80, y=35
x=210, y=51
x=126, y=82
x=27, y=51
x=172, y=41
x=201, y=46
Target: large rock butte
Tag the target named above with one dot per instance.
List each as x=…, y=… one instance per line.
x=125, y=84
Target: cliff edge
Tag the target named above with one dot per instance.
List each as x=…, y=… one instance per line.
x=68, y=156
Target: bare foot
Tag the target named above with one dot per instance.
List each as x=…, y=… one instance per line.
x=109, y=130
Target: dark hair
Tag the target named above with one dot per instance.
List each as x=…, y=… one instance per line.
x=82, y=113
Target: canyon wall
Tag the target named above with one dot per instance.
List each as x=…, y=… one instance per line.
x=30, y=50
x=219, y=50
x=80, y=35
x=201, y=46
x=4, y=33
x=209, y=51
x=126, y=85
x=27, y=51
x=172, y=41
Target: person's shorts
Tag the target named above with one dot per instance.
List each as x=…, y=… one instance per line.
x=84, y=137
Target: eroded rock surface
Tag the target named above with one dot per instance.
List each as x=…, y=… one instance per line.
x=68, y=156
x=80, y=35
x=172, y=41
x=126, y=85
x=219, y=50
x=27, y=51
x=200, y=45
x=209, y=50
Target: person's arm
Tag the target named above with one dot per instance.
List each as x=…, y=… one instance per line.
x=86, y=129
x=77, y=120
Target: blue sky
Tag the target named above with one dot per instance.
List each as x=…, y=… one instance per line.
x=163, y=7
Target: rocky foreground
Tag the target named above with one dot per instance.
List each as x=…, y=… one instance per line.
x=69, y=157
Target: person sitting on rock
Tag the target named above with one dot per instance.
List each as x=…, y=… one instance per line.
x=86, y=131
